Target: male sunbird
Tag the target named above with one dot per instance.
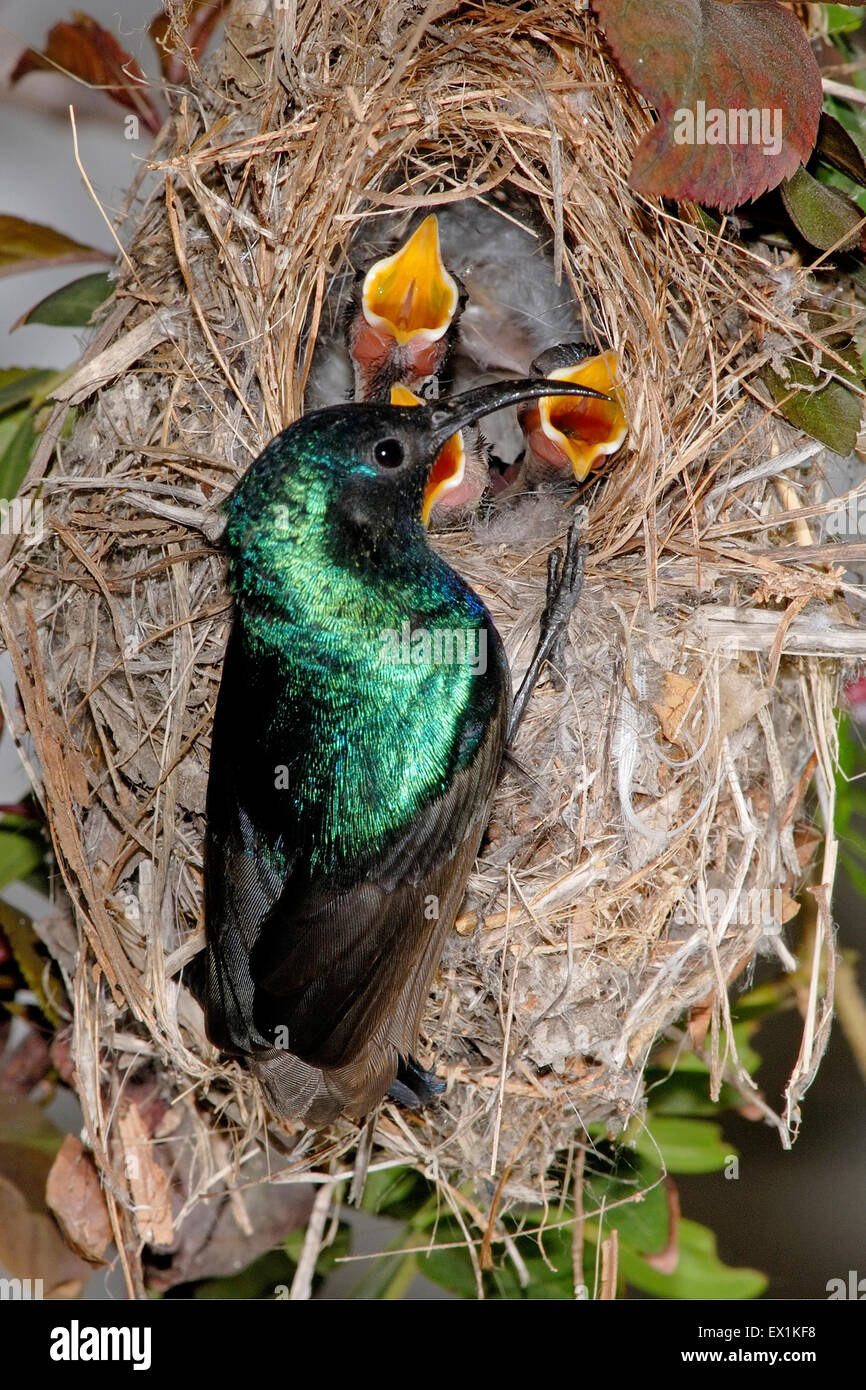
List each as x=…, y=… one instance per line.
x=364, y=710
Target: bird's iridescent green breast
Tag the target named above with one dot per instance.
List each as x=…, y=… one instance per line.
x=370, y=687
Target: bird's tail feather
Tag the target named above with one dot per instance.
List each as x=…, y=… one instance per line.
x=296, y=1090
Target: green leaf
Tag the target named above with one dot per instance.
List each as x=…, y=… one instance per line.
x=328, y=1255
x=744, y=1031
x=24, y=1124
x=855, y=840
x=450, y=1269
x=31, y=958
x=830, y=413
x=549, y=1278
x=16, y=449
x=18, y=385
x=822, y=215
x=854, y=872
x=760, y=1000
x=687, y=1094
x=699, y=1274
x=686, y=1146
x=843, y=19
x=688, y=1065
x=22, y=393
x=72, y=306
x=395, y=1192
x=9, y=424
x=404, y=1195
x=687, y=1061
x=643, y=1219
x=544, y=1282
x=19, y=856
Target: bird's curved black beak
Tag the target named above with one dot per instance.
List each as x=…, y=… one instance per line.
x=448, y=416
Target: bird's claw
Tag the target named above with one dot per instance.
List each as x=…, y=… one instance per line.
x=414, y=1087
x=564, y=583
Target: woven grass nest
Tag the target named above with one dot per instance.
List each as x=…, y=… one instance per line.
x=661, y=786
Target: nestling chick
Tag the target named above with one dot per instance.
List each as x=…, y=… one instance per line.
x=459, y=476
x=569, y=436
x=398, y=324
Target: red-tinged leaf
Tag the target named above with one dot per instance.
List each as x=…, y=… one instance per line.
x=177, y=39
x=83, y=49
x=22, y=1067
x=31, y=246
x=700, y=1273
x=697, y=61
x=666, y=1261
x=31, y=1246
x=700, y=1018
x=74, y=1194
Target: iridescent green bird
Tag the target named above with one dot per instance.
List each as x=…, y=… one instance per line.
x=364, y=709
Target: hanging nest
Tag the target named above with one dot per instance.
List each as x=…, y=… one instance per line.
x=655, y=830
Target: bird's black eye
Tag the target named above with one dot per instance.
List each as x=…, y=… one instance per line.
x=388, y=453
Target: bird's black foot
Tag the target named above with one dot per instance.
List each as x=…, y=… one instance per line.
x=564, y=583
x=414, y=1087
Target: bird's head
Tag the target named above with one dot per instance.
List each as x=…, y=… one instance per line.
x=403, y=316
x=567, y=436
x=351, y=482
x=452, y=485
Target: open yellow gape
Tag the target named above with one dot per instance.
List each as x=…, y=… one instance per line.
x=584, y=429
x=410, y=294
x=448, y=470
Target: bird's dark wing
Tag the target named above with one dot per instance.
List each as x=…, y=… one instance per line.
x=335, y=964
x=332, y=964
